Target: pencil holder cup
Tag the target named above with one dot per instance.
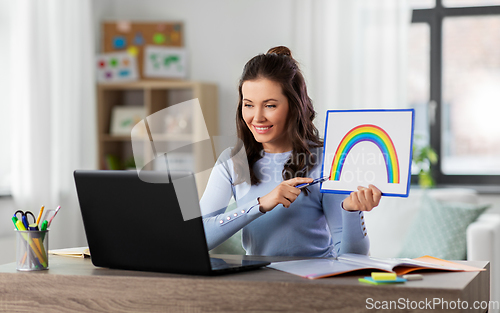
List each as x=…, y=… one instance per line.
x=32, y=250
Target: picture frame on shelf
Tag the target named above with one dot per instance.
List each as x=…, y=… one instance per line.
x=165, y=62
x=116, y=67
x=124, y=118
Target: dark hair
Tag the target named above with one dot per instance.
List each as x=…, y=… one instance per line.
x=279, y=66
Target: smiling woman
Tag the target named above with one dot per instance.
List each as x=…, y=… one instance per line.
x=281, y=149
x=276, y=75
x=265, y=109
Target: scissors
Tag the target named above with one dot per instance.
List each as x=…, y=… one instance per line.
x=24, y=219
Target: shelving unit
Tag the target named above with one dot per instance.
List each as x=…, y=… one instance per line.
x=155, y=96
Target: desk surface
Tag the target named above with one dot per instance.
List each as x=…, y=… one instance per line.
x=75, y=284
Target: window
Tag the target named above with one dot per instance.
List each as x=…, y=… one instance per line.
x=419, y=81
x=454, y=76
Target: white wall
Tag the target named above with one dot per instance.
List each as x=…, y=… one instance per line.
x=220, y=35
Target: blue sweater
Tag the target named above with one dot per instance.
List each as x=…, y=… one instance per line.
x=314, y=225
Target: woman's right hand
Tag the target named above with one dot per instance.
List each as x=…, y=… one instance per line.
x=285, y=193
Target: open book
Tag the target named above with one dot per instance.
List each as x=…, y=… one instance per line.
x=345, y=263
x=78, y=252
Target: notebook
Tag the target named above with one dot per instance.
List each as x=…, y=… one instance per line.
x=135, y=225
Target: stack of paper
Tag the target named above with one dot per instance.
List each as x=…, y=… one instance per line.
x=78, y=252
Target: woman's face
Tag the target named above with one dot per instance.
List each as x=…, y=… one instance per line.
x=265, y=111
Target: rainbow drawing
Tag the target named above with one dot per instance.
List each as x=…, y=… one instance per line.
x=369, y=133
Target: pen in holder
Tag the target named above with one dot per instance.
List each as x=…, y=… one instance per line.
x=32, y=248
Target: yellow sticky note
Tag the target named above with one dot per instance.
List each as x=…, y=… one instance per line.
x=384, y=276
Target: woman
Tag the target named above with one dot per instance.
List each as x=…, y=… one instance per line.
x=281, y=145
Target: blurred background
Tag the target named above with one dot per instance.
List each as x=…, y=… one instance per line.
x=440, y=57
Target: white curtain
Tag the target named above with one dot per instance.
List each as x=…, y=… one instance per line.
x=353, y=53
x=53, y=108
x=5, y=125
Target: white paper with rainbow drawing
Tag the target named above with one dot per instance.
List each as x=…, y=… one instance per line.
x=365, y=147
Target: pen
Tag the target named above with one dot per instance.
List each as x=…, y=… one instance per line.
x=317, y=180
x=44, y=225
x=25, y=221
x=15, y=219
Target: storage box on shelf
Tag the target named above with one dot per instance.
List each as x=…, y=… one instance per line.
x=154, y=96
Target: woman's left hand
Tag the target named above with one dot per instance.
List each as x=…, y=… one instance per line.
x=365, y=199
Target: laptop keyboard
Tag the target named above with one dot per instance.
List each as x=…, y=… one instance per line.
x=218, y=264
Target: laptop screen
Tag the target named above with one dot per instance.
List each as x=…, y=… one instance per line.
x=133, y=224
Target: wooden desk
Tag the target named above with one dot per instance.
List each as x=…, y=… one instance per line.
x=75, y=285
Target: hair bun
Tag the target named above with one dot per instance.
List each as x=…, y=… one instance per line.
x=280, y=50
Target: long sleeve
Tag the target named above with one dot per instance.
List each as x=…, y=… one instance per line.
x=314, y=224
x=220, y=225
x=348, y=229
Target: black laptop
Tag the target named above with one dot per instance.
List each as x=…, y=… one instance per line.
x=137, y=225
